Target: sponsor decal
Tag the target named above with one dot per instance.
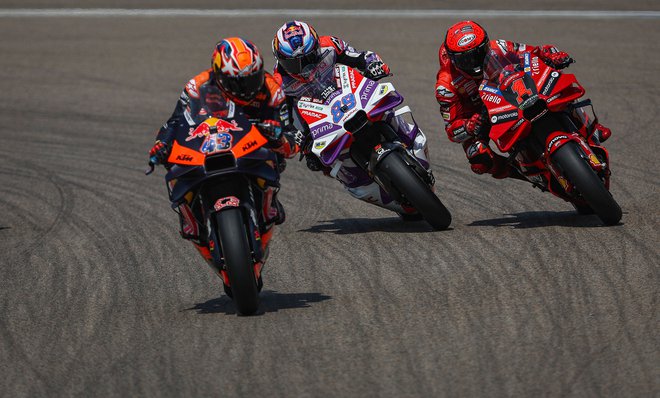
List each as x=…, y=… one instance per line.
x=309, y=105
x=383, y=89
x=191, y=87
x=445, y=115
x=518, y=124
x=489, y=89
x=554, y=97
x=249, y=145
x=555, y=141
x=466, y=40
x=322, y=129
x=184, y=158
x=443, y=91
x=504, y=117
x=550, y=83
x=502, y=46
x=491, y=98
x=314, y=115
x=320, y=145
x=218, y=126
x=506, y=107
x=229, y=201
x=536, y=69
x=593, y=159
x=366, y=92
x=328, y=90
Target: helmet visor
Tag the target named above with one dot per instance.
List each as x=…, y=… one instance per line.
x=300, y=65
x=471, y=61
x=242, y=87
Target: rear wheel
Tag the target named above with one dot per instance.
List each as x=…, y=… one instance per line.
x=415, y=190
x=238, y=260
x=578, y=171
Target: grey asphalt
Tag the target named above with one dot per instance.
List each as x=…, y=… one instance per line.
x=522, y=297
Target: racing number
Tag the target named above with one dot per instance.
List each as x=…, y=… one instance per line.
x=216, y=143
x=520, y=89
x=340, y=107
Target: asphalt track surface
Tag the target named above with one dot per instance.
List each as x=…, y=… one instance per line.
x=522, y=297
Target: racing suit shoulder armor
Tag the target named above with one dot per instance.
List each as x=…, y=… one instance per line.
x=274, y=90
x=336, y=43
x=193, y=86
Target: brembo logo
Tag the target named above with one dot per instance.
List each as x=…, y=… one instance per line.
x=467, y=39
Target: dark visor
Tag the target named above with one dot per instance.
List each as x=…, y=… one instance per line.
x=296, y=66
x=472, y=59
x=243, y=87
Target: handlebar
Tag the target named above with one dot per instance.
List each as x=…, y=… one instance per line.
x=152, y=163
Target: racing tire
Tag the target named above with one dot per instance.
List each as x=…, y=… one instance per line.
x=238, y=260
x=579, y=172
x=415, y=190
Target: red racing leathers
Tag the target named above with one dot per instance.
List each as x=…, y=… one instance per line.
x=460, y=103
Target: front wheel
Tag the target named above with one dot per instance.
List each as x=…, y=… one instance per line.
x=415, y=190
x=238, y=260
x=578, y=171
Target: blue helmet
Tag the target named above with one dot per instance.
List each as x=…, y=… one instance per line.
x=296, y=46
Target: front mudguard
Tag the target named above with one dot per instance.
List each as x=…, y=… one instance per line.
x=385, y=149
x=597, y=157
x=233, y=195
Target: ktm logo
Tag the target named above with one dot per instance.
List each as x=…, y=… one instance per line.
x=249, y=145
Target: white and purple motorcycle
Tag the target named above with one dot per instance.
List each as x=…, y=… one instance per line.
x=367, y=144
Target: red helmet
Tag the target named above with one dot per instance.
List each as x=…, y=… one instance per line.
x=238, y=68
x=467, y=45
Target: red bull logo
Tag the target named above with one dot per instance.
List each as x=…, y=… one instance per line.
x=291, y=31
x=217, y=125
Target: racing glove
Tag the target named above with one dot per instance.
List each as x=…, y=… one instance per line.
x=480, y=156
x=476, y=125
x=159, y=152
x=271, y=129
x=377, y=70
x=555, y=58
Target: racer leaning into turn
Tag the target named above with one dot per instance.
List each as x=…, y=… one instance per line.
x=298, y=50
x=236, y=76
x=467, y=57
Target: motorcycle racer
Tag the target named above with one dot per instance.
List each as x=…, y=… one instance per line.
x=298, y=51
x=467, y=57
x=236, y=78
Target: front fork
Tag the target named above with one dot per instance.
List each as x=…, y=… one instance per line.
x=243, y=197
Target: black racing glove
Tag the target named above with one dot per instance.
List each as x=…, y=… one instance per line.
x=377, y=70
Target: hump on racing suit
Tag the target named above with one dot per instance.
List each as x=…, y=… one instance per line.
x=201, y=98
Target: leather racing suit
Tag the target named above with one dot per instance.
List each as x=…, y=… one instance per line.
x=367, y=190
x=458, y=96
x=201, y=98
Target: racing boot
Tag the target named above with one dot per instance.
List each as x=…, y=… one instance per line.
x=276, y=213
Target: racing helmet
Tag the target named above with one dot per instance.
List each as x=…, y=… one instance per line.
x=238, y=68
x=467, y=45
x=297, y=50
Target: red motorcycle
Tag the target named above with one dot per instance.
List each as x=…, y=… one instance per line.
x=549, y=136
